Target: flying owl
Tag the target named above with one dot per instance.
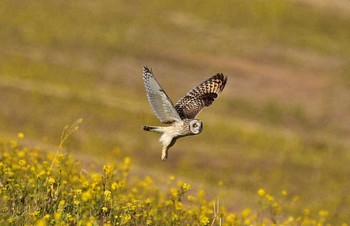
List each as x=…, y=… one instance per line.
x=180, y=117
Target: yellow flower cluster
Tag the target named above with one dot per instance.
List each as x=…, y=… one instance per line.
x=271, y=210
x=34, y=191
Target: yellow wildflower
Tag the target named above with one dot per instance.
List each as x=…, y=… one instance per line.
x=148, y=180
x=269, y=197
x=284, y=192
x=174, y=217
x=168, y=203
x=85, y=184
x=261, y=192
x=108, y=169
x=231, y=218
x=323, y=213
x=21, y=154
x=246, y=212
x=174, y=192
x=148, y=201
x=20, y=135
x=78, y=191
x=178, y=206
x=58, y=216
x=41, y=173
x=126, y=164
x=61, y=205
x=70, y=217
x=247, y=222
x=190, y=198
x=126, y=218
x=107, y=195
x=290, y=220
x=41, y=222
x=114, y=186
x=96, y=177
x=51, y=180
x=22, y=162
x=86, y=196
x=127, y=160
x=204, y=220
x=186, y=187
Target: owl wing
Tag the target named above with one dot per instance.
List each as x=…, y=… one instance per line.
x=159, y=100
x=200, y=96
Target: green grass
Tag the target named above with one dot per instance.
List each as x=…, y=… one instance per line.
x=281, y=122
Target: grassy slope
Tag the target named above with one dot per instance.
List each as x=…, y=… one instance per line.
x=281, y=123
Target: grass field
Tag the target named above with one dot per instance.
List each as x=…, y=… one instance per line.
x=282, y=122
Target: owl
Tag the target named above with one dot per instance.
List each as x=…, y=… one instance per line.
x=180, y=117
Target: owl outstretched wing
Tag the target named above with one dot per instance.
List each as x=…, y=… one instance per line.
x=159, y=100
x=200, y=96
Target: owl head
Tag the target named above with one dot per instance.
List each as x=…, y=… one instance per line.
x=196, y=126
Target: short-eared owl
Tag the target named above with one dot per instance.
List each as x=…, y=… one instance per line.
x=181, y=117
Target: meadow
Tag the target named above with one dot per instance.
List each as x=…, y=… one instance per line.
x=52, y=188
x=281, y=126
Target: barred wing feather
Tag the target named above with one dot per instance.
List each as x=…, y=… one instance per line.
x=201, y=96
x=158, y=99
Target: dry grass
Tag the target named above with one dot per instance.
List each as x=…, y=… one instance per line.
x=281, y=123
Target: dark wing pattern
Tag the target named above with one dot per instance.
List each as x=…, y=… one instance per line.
x=159, y=100
x=200, y=96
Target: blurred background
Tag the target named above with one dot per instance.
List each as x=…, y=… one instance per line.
x=282, y=122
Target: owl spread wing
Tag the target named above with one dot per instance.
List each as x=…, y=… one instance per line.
x=200, y=96
x=159, y=100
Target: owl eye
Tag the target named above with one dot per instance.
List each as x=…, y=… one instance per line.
x=195, y=125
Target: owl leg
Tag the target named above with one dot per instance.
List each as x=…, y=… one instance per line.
x=164, y=153
x=167, y=143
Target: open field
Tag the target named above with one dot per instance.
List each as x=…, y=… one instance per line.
x=282, y=122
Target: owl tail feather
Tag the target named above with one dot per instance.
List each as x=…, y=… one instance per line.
x=156, y=129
